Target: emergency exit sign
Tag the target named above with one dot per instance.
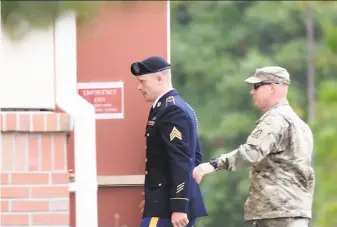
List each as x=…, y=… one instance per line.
x=106, y=97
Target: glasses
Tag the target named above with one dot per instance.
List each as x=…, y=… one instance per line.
x=257, y=85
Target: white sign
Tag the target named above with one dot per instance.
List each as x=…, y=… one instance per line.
x=106, y=97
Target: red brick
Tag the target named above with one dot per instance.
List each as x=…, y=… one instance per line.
x=50, y=219
x=33, y=152
x=4, y=179
x=14, y=219
x=30, y=206
x=46, y=152
x=59, y=205
x=51, y=122
x=20, y=151
x=7, y=151
x=38, y=122
x=14, y=192
x=30, y=178
x=24, y=119
x=4, y=207
x=10, y=121
x=60, y=151
x=60, y=178
x=48, y=192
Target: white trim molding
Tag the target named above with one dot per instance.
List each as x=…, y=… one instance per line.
x=168, y=30
x=120, y=180
x=83, y=114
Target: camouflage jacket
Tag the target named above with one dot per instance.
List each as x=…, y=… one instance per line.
x=282, y=179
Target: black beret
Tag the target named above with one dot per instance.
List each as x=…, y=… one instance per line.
x=150, y=65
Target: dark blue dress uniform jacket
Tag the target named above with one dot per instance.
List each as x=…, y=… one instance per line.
x=173, y=150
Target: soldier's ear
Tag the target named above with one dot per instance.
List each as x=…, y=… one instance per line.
x=159, y=77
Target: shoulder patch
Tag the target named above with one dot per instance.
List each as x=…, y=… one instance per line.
x=257, y=133
x=170, y=100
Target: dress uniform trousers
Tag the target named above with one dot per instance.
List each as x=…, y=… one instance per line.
x=161, y=222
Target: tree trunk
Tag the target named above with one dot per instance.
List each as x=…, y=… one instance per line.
x=311, y=64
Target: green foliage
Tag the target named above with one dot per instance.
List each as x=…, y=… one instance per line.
x=19, y=17
x=325, y=131
x=215, y=46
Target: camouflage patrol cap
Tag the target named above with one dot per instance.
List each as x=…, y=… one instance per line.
x=270, y=73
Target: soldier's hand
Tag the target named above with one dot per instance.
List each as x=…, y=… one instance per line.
x=141, y=205
x=179, y=219
x=201, y=170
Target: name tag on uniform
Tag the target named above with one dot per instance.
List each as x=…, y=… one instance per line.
x=151, y=123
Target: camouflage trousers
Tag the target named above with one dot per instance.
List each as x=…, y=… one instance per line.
x=282, y=222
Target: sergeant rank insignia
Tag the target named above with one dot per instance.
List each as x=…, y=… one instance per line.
x=175, y=134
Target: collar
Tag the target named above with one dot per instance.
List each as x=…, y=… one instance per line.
x=278, y=104
x=157, y=99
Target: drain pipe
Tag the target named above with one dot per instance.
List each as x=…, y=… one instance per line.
x=83, y=115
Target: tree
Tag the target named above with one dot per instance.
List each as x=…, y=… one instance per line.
x=18, y=17
x=325, y=131
x=215, y=46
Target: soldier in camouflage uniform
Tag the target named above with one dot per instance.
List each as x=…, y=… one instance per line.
x=279, y=152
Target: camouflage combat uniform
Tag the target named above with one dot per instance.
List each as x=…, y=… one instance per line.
x=282, y=179
x=281, y=222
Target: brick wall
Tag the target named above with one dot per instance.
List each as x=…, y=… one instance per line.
x=34, y=174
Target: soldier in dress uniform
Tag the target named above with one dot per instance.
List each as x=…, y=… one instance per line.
x=172, y=197
x=279, y=152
